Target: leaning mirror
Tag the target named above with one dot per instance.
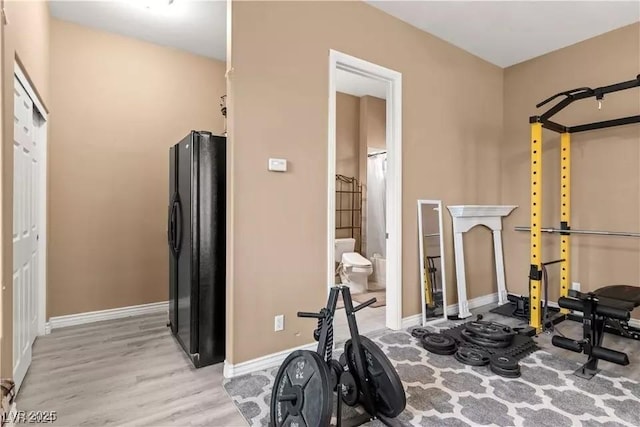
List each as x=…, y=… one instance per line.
x=432, y=269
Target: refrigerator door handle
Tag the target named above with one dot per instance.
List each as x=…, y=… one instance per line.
x=171, y=224
x=177, y=225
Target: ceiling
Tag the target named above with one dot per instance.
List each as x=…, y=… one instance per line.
x=508, y=32
x=357, y=85
x=198, y=27
x=501, y=32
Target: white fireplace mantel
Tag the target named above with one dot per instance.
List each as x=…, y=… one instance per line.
x=465, y=217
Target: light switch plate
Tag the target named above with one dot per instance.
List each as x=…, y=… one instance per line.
x=278, y=165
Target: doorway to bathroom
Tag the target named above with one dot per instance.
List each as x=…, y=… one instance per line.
x=364, y=196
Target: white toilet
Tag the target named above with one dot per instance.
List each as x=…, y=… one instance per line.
x=354, y=268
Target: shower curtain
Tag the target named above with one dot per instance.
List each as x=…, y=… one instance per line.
x=376, y=205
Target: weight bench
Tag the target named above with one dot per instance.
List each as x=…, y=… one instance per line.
x=624, y=297
x=611, y=305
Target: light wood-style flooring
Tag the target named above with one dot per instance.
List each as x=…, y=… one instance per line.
x=126, y=372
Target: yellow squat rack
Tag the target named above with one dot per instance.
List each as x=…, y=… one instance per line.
x=538, y=123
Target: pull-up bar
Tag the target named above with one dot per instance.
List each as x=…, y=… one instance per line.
x=577, y=94
x=594, y=232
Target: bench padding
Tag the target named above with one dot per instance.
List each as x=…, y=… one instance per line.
x=619, y=296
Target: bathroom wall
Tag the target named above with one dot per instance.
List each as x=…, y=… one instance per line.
x=360, y=124
x=347, y=134
x=373, y=133
x=347, y=154
x=374, y=121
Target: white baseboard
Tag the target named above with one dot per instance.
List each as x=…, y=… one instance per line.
x=275, y=359
x=265, y=362
x=483, y=300
x=452, y=309
x=410, y=321
x=111, y=314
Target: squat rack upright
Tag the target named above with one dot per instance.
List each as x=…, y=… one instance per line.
x=536, y=230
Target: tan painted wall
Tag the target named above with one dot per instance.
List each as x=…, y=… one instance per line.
x=119, y=105
x=376, y=121
x=347, y=159
x=347, y=134
x=452, y=129
x=605, y=172
x=31, y=48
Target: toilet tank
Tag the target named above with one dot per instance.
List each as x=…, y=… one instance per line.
x=342, y=246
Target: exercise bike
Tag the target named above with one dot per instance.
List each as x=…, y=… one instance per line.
x=303, y=390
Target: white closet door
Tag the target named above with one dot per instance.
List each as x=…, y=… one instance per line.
x=26, y=178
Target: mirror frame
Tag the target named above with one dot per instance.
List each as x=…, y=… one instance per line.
x=438, y=208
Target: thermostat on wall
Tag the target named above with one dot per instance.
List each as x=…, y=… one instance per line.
x=278, y=165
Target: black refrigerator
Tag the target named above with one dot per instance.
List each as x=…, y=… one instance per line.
x=196, y=238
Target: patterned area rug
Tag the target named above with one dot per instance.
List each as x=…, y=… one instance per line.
x=443, y=392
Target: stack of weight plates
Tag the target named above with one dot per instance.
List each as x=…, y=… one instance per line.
x=435, y=343
x=488, y=335
x=484, y=344
x=504, y=365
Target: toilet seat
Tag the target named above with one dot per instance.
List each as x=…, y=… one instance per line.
x=355, y=269
x=354, y=259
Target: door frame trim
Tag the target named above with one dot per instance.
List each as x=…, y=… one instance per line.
x=393, y=79
x=44, y=197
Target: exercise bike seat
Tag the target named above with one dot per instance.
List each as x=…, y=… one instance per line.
x=619, y=296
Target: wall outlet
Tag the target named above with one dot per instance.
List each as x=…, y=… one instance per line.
x=575, y=286
x=278, y=323
x=278, y=165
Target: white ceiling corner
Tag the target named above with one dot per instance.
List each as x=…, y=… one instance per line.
x=508, y=32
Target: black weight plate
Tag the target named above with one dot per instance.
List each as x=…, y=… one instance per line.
x=437, y=341
x=472, y=356
x=304, y=375
x=490, y=330
x=343, y=360
x=483, y=342
x=419, y=332
x=388, y=393
x=335, y=372
x=504, y=361
x=349, y=389
x=447, y=352
x=507, y=373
